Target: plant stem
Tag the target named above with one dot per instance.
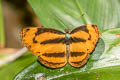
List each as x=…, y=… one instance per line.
x=81, y=12
x=2, y=37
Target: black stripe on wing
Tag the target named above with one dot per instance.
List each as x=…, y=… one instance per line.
x=75, y=54
x=52, y=41
x=75, y=39
x=81, y=28
x=63, y=40
x=47, y=62
x=54, y=54
x=80, y=62
x=42, y=30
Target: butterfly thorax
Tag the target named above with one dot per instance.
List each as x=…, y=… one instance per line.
x=67, y=36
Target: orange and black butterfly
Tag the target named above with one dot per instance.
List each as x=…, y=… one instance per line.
x=55, y=48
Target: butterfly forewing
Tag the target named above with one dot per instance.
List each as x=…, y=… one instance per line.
x=47, y=44
x=83, y=40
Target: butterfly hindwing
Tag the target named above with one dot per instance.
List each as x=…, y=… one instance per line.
x=83, y=41
x=48, y=44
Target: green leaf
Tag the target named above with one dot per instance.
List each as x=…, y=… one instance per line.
x=8, y=72
x=61, y=14
x=104, y=61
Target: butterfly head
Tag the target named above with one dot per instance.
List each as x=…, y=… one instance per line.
x=67, y=31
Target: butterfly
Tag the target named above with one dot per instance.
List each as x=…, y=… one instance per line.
x=55, y=48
